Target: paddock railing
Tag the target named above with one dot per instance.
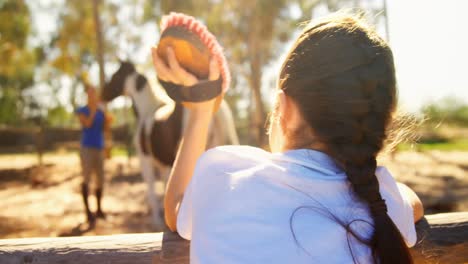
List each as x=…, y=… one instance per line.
x=442, y=238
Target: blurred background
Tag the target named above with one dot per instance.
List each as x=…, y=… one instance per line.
x=49, y=48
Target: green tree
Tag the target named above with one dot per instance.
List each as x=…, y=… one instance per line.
x=75, y=45
x=252, y=33
x=58, y=116
x=114, y=25
x=450, y=110
x=18, y=59
x=75, y=42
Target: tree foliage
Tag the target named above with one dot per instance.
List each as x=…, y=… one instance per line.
x=18, y=59
x=58, y=116
x=75, y=40
x=252, y=33
x=449, y=110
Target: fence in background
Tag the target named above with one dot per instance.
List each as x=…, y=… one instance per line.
x=34, y=138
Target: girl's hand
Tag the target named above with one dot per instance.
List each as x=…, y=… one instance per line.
x=176, y=74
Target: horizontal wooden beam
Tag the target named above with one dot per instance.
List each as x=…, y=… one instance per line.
x=442, y=238
x=118, y=249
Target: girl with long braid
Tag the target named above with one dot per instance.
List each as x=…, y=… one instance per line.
x=318, y=196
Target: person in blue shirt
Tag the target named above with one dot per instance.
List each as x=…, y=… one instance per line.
x=93, y=122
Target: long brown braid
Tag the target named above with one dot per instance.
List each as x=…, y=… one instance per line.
x=342, y=77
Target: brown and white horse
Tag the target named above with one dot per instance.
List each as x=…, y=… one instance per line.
x=160, y=126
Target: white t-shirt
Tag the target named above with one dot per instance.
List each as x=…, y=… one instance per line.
x=246, y=205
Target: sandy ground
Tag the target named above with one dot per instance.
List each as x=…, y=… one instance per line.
x=439, y=178
x=46, y=201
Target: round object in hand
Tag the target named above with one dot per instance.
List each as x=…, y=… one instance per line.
x=189, y=50
x=194, y=46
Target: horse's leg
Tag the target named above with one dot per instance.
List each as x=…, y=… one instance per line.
x=148, y=173
x=163, y=172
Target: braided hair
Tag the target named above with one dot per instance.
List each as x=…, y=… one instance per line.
x=341, y=75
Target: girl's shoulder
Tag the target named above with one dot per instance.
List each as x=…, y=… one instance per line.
x=229, y=160
x=234, y=154
x=239, y=149
x=399, y=207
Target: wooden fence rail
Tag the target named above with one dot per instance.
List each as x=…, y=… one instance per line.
x=23, y=138
x=442, y=238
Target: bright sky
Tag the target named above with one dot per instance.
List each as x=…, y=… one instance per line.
x=429, y=39
x=430, y=44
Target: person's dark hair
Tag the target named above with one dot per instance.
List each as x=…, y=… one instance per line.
x=341, y=75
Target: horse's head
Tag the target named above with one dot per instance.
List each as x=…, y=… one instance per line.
x=115, y=87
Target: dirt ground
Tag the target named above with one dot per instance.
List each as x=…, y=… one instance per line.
x=45, y=201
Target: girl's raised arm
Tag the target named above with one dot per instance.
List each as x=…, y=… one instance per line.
x=194, y=139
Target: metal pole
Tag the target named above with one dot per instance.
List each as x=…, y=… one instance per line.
x=387, y=31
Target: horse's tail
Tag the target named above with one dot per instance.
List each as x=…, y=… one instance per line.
x=225, y=114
